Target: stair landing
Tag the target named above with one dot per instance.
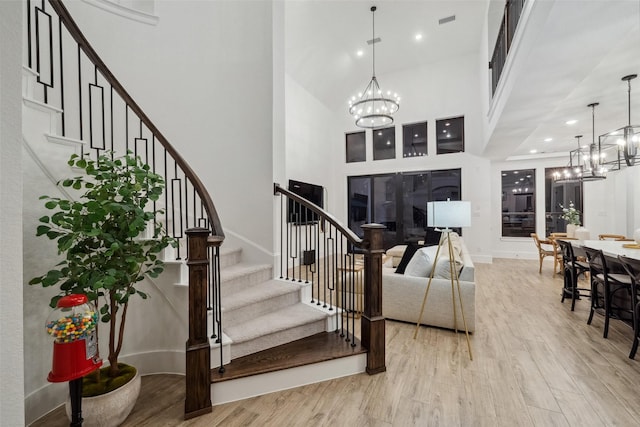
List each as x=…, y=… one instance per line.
x=316, y=348
x=320, y=357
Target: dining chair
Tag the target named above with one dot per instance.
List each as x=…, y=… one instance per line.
x=572, y=268
x=632, y=266
x=604, y=285
x=545, y=248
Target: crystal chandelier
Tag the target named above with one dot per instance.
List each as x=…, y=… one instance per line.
x=372, y=107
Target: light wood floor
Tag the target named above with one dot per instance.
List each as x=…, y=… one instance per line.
x=536, y=363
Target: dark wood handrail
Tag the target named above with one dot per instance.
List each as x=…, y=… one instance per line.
x=88, y=50
x=324, y=215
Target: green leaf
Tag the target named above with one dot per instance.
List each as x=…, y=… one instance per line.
x=44, y=219
x=35, y=281
x=51, y=204
x=42, y=229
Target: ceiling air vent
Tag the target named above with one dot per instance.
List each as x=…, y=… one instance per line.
x=447, y=19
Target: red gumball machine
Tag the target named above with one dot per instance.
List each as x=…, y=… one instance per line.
x=75, y=349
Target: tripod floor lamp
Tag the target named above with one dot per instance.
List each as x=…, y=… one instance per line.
x=446, y=215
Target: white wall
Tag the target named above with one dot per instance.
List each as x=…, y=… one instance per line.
x=445, y=89
x=310, y=129
x=610, y=205
x=11, y=323
x=204, y=76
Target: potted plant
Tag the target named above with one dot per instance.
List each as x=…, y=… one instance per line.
x=572, y=216
x=102, y=236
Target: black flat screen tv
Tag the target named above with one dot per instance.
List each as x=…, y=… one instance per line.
x=297, y=213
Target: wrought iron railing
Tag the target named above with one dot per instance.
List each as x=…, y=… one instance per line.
x=97, y=110
x=344, y=270
x=512, y=12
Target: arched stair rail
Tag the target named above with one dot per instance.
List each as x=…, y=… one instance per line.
x=98, y=115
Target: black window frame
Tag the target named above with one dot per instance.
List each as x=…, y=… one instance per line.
x=388, y=135
x=347, y=142
x=441, y=125
x=409, y=149
x=518, y=204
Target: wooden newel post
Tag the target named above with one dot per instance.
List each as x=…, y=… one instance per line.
x=198, y=352
x=373, y=328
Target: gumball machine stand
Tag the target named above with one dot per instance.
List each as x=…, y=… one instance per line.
x=75, y=349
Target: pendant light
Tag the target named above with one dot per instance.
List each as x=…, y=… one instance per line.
x=593, y=168
x=626, y=138
x=372, y=108
x=573, y=172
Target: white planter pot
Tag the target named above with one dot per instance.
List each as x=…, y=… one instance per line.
x=110, y=409
x=571, y=230
x=636, y=236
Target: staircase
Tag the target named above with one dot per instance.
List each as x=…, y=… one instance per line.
x=243, y=325
x=259, y=312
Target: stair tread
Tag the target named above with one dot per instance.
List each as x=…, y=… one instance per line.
x=280, y=320
x=260, y=292
x=240, y=269
x=225, y=250
x=305, y=351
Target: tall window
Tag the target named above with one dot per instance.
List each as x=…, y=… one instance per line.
x=356, y=147
x=518, y=203
x=384, y=143
x=399, y=201
x=450, y=135
x=557, y=195
x=414, y=140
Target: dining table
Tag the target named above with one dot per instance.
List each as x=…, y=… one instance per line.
x=610, y=248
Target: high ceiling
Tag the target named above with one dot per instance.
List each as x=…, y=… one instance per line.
x=574, y=52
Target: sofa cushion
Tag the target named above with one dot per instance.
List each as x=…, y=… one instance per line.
x=443, y=267
x=406, y=257
x=396, y=253
x=422, y=262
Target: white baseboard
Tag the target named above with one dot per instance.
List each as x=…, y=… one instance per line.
x=48, y=397
x=257, y=385
x=515, y=255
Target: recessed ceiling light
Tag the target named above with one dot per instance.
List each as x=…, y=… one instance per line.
x=504, y=174
x=418, y=36
x=360, y=52
x=533, y=151
x=388, y=142
x=571, y=122
x=447, y=124
x=415, y=136
x=548, y=139
x=379, y=133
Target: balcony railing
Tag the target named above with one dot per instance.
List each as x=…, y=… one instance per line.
x=512, y=12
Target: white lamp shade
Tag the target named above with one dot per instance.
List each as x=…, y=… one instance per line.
x=449, y=214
